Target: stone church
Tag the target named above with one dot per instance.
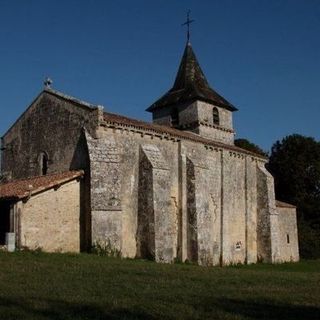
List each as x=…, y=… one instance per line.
x=75, y=176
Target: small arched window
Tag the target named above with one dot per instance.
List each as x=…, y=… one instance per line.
x=174, y=117
x=215, y=115
x=43, y=161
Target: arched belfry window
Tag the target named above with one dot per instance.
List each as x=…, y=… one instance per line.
x=174, y=117
x=43, y=161
x=215, y=114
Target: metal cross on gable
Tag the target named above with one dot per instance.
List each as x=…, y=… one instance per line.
x=187, y=23
x=47, y=82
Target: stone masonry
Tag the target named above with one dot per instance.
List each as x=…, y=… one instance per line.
x=175, y=189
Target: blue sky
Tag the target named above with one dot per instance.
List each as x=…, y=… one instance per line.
x=263, y=56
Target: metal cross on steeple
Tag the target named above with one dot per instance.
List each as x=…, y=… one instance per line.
x=187, y=23
x=47, y=82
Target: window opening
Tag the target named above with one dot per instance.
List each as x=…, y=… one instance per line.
x=175, y=117
x=215, y=113
x=44, y=164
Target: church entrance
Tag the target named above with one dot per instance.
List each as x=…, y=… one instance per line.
x=4, y=221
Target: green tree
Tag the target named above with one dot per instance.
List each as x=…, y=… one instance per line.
x=247, y=145
x=295, y=164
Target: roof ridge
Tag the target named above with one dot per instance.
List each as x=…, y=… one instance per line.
x=22, y=188
x=42, y=176
x=70, y=98
x=162, y=129
x=58, y=94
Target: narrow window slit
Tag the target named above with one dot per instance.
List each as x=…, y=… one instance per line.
x=215, y=114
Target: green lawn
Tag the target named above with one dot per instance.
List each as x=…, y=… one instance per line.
x=58, y=286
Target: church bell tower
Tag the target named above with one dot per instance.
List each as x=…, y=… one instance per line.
x=192, y=105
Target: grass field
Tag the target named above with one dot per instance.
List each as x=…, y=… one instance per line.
x=58, y=286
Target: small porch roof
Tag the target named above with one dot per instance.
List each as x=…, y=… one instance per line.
x=23, y=188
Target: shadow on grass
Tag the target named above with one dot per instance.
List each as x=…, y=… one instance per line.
x=266, y=310
x=60, y=310
x=41, y=309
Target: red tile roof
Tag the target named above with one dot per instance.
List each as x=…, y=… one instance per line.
x=123, y=121
x=19, y=189
x=165, y=130
x=282, y=204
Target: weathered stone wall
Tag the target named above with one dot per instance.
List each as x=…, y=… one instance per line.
x=197, y=117
x=145, y=226
x=50, y=126
x=227, y=191
x=288, y=237
x=201, y=215
x=162, y=116
x=125, y=184
x=251, y=193
x=203, y=204
x=202, y=113
x=205, y=114
x=216, y=133
x=106, y=206
x=50, y=220
x=157, y=219
x=267, y=218
x=188, y=114
x=234, y=208
x=178, y=198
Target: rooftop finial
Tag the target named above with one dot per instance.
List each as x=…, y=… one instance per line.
x=187, y=23
x=47, y=82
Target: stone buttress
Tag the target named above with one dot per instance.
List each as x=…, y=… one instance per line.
x=268, y=219
x=106, y=208
x=156, y=236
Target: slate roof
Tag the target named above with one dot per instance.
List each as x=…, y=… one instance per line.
x=190, y=85
x=70, y=99
x=19, y=189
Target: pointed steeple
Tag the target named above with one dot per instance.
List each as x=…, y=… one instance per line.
x=190, y=85
x=189, y=72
